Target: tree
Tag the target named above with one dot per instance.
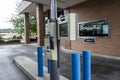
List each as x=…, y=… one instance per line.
x=18, y=23
x=33, y=25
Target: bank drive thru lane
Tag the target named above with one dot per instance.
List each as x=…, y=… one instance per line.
x=8, y=70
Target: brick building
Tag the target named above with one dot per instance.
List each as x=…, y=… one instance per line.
x=87, y=10
x=96, y=10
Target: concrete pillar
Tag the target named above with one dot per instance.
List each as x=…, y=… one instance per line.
x=26, y=28
x=68, y=43
x=40, y=24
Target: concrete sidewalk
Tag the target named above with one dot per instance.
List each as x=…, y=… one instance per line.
x=29, y=67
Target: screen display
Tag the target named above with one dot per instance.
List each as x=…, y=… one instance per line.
x=95, y=28
x=63, y=30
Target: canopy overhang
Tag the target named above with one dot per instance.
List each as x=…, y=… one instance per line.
x=30, y=5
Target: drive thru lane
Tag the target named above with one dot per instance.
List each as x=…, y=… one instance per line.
x=8, y=70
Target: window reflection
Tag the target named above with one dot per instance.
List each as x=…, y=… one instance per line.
x=96, y=28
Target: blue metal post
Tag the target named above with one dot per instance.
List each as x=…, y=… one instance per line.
x=40, y=61
x=86, y=65
x=48, y=61
x=48, y=65
x=75, y=66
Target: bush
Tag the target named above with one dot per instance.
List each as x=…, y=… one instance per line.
x=17, y=37
x=2, y=41
x=9, y=41
x=12, y=41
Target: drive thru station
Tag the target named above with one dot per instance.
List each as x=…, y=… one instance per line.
x=64, y=27
x=58, y=28
x=97, y=25
x=73, y=26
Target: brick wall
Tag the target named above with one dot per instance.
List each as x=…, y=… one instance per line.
x=66, y=44
x=97, y=10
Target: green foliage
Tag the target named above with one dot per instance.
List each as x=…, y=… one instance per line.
x=33, y=28
x=12, y=41
x=1, y=41
x=18, y=23
x=9, y=41
x=17, y=37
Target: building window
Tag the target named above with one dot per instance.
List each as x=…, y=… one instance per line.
x=94, y=28
x=63, y=28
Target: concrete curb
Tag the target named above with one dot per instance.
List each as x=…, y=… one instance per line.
x=29, y=67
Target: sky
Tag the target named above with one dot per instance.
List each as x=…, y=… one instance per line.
x=7, y=8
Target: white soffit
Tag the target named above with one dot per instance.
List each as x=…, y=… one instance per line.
x=24, y=5
x=61, y=3
x=29, y=7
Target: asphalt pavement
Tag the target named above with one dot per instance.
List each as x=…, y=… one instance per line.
x=9, y=71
